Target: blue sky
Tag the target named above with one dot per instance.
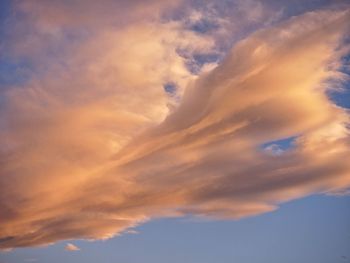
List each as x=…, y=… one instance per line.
x=199, y=131
x=313, y=229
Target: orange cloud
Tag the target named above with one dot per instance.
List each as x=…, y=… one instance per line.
x=89, y=149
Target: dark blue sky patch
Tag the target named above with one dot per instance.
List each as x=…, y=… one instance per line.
x=202, y=59
x=195, y=62
x=342, y=97
x=170, y=88
x=13, y=72
x=279, y=146
x=203, y=26
x=5, y=13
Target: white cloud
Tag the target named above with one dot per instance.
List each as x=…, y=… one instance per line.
x=132, y=231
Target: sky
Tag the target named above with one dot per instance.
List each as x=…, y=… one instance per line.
x=177, y=131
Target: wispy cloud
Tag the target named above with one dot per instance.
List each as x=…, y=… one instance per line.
x=71, y=247
x=132, y=231
x=92, y=144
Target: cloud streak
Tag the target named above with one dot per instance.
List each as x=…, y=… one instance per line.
x=71, y=247
x=92, y=145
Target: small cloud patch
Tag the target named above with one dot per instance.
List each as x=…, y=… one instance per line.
x=274, y=149
x=279, y=147
x=132, y=231
x=71, y=247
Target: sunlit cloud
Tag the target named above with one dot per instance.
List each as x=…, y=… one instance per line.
x=142, y=115
x=71, y=247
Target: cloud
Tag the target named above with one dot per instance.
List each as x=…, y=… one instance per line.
x=132, y=231
x=89, y=147
x=71, y=247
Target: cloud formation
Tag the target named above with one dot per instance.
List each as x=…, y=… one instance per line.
x=71, y=247
x=92, y=144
